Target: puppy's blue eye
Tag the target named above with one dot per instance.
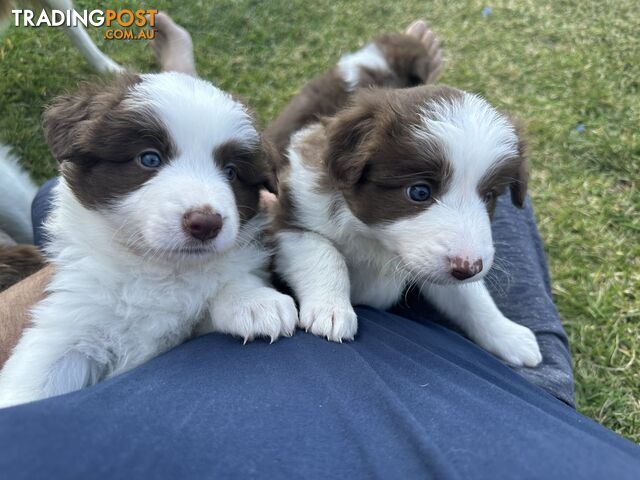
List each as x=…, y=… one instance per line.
x=230, y=172
x=419, y=192
x=150, y=159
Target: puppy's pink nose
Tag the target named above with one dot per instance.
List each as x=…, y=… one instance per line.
x=202, y=224
x=463, y=268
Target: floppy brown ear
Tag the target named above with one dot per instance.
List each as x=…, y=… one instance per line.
x=348, y=136
x=63, y=120
x=72, y=118
x=520, y=181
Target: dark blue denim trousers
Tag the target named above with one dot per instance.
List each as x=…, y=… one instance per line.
x=409, y=398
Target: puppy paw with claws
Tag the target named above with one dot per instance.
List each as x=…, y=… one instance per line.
x=263, y=312
x=333, y=322
x=515, y=344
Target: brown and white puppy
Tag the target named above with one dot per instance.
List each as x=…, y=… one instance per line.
x=397, y=190
x=154, y=232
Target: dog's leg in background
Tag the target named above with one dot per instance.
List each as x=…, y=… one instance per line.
x=173, y=46
x=471, y=307
x=433, y=63
x=319, y=276
x=82, y=41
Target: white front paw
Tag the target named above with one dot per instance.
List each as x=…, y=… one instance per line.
x=332, y=321
x=263, y=312
x=513, y=343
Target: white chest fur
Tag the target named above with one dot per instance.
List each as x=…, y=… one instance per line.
x=377, y=276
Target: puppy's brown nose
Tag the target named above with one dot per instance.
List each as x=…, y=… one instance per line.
x=463, y=268
x=202, y=224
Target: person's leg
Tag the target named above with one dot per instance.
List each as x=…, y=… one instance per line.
x=520, y=284
x=405, y=400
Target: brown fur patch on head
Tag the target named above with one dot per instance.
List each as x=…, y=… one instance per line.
x=96, y=137
x=255, y=167
x=18, y=262
x=373, y=155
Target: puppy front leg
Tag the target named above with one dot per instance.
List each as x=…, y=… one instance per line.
x=45, y=364
x=471, y=307
x=319, y=277
x=248, y=307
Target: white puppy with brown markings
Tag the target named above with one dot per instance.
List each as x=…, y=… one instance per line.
x=155, y=232
x=396, y=190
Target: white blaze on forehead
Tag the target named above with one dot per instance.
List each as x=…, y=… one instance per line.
x=474, y=136
x=198, y=118
x=369, y=56
x=195, y=113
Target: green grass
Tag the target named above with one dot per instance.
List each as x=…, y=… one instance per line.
x=553, y=63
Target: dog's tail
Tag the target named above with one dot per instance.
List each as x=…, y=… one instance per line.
x=17, y=191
